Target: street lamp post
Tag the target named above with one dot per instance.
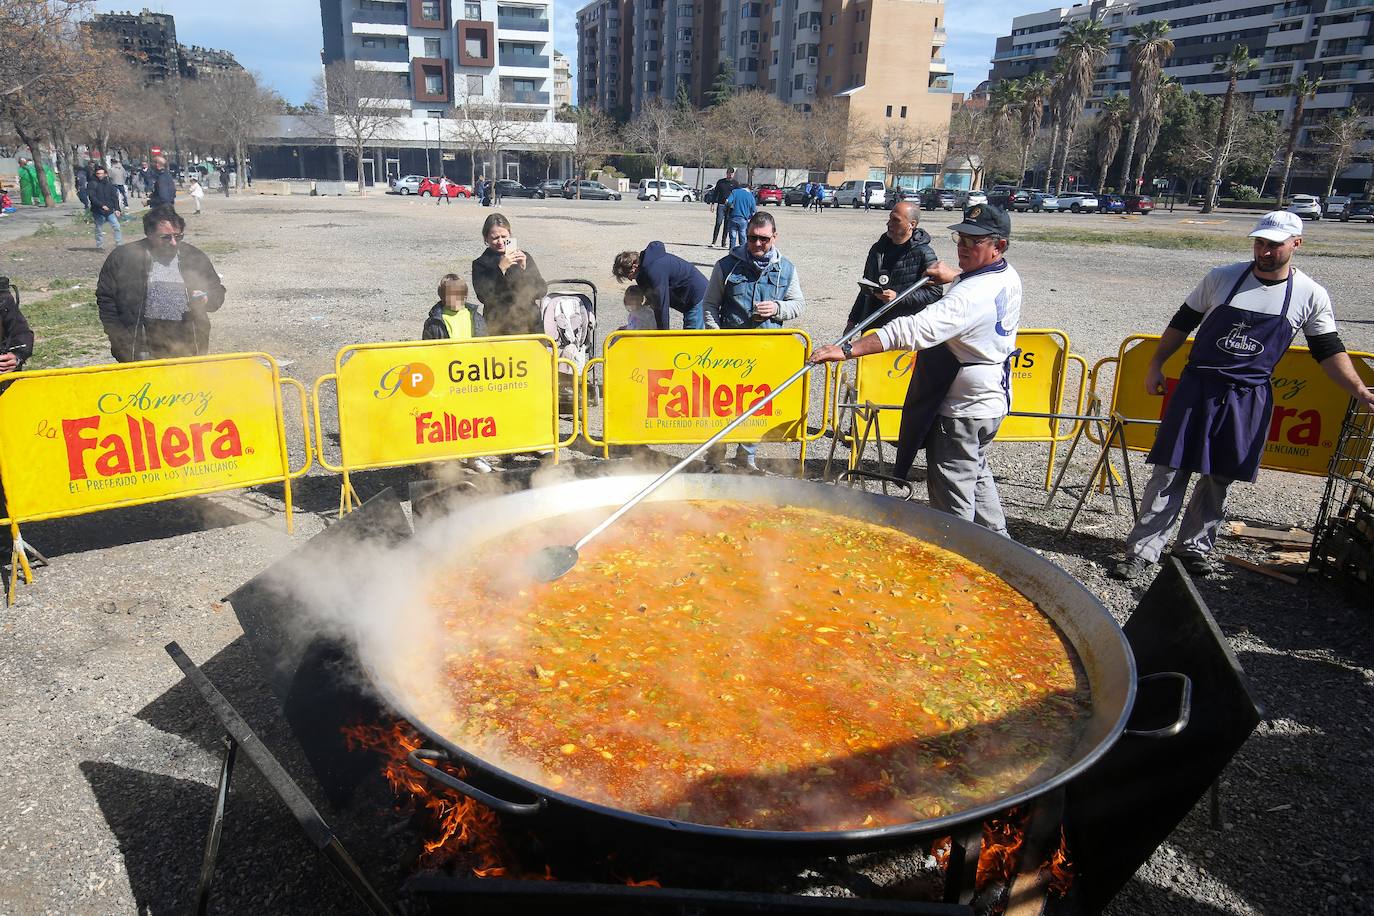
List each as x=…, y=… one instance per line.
x=439, y=141
x=428, y=171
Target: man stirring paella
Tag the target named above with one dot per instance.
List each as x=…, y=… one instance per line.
x=960, y=389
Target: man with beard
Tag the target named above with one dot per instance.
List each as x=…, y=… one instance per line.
x=1217, y=418
x=899, y=258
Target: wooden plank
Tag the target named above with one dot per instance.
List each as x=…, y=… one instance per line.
x=1262, y=570
x=1288, y=536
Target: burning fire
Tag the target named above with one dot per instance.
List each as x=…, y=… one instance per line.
x=1000, y=858
x=463, y=830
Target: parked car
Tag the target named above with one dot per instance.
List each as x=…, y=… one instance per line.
x=508, y=188
x=767, y=194
x=937, y=198
x=795, y=196
x=1111, y=203
x=852, y=194
x=1358, y=209
x=1041, y=202
x=968, y=199
x=553, y=187
x=429, y=187
x=1334, y=205
x=1078, y=202
x=589, y=190
x=1009, y=199
x=1306, y=206
x=409, y=184
x=1139, y=203
x=664, y=189
x=894, y=196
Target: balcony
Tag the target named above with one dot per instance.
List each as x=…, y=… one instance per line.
x=1291, y=10
x=1344, y=50
x=1335, y=5
x=1014, y=53
x=1345, y=74
x=510, y=59
x=531, y=23
x=525, y=97
x=378, y=17
x=941, y=84
x=388, y=55
x=941, y=37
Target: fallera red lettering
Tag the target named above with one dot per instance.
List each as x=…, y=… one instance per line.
x=1306, y=430
x=448, y=428
x=144, y=447
x=700, y=397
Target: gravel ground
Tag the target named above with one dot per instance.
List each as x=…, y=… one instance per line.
x=107, y=762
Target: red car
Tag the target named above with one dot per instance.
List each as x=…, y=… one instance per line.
x=768, y=194
x=430, y=188
x=1141, y=205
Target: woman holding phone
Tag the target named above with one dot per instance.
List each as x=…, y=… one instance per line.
x=507, y=282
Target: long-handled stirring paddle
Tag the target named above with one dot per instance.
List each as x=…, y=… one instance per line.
x=553, y=562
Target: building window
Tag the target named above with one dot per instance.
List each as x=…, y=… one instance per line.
x=829, y=50
x=904, y=111
x=429, y=9
x=374, y=42
x=889, y=111
x=431, y=47
x=436, y=115
x=827, y=81
x=434, y=83
x=472, y=10
x=476, y=44
x=775, y=56
x=798, y=81
x=861, y=47
x=475, y=85
x=832, y=18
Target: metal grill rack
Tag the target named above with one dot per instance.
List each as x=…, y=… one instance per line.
x=1343, y=548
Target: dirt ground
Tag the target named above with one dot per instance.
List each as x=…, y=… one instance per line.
x=107, y=759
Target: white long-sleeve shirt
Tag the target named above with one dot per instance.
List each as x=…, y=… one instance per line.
x=977, y=318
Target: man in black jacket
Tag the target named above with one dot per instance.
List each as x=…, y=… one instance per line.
x=162, y=190
x=719, y=193
x=16, y=338
x=899, y=258
x=154, y=295
x=102, y=196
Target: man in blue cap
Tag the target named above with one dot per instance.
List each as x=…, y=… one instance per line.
x=1246, y=315
x=961, y=387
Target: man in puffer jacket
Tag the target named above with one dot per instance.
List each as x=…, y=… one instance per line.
x=753, y=286
x=899, y=258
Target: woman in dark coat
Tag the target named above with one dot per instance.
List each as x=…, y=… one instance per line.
x=507, y=282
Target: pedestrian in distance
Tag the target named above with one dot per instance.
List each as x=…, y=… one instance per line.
x=197, y=192
x=670, y=284
x=453, y=317
x=102, y=198
x=1217, y=419
x=496, y=190
x=901, y=256
x=742, y=205
x=16, y=337
x=507, y=281
x=444, y=186
x=162, y=189
x=753, y=287
x=136, y=182
x=154, y=296
x=30, y=193
x=720, y=193
x=224, y=181
x=959, y=390
x=119, y=177
x=822, y=194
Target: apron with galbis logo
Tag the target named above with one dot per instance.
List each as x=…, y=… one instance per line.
x=1219, y=412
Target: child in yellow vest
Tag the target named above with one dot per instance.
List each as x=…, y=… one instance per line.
x=453, y=317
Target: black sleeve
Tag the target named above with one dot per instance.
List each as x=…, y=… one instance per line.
x=1325, y=346
x=1186, y=319
x=18, y=334
x=483, y=283
x=934, y=292
x=859, y=310
x=107, y=304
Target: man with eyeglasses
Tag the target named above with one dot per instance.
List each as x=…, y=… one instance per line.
x=1217, y=418
x=752, y=287
x=155, y=295
x=961, y=386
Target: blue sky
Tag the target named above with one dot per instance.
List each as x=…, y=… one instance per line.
x=280, y=39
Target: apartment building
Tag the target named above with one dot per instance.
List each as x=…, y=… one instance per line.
x=562, y=80
x=146, y=38
x=446, y=52
x=884, y=57
x=1331, y=39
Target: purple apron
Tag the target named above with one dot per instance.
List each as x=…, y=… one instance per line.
x=1218, y=415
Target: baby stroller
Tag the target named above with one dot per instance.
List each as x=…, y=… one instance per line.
x=568, y=315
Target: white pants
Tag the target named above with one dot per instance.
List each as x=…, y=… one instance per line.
x=1159, y=508
x=957, y=473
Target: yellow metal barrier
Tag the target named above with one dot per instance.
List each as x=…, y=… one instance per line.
x=86, y=439
x=419, y=402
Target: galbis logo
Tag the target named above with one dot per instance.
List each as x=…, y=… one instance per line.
x=413, y=379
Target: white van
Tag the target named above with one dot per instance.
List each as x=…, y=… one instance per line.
x=851, y=194
x=652, y=189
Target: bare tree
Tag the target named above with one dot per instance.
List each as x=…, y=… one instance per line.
x=29, y=28
x=595, y=136
x=242, y=109
x=488, y=127
x=1340, y=134
x=694, y=140
x=654, y=132
x=349, y=102
x=831, y=134
x=754, y=121
x=972, y=139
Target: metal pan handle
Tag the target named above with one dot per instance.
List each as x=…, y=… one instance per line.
x=885, y=479
x=1185, y=706
x=417, y=762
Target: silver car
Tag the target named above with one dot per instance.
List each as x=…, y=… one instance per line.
x=410, y=184
x=1334, y=206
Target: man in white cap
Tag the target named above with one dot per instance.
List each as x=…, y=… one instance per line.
x=1246, y=316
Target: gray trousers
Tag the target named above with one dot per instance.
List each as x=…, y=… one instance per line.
x=957, y=473
x=1160, y=505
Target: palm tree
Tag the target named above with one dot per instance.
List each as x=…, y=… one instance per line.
x=1149, y=48
x=1056, y=102
x=1151, y=124
x=1303, y=88
x=1238, y=64
x=1004, y=103
x=1110, y=125
x=1035, y=91
x=1082, y=47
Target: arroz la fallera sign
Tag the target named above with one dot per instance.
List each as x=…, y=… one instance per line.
x=1308, y=406
x=78, y=440
x=675, y=388
x=413, y=403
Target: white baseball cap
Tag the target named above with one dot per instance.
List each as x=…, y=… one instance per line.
x=1277, y=226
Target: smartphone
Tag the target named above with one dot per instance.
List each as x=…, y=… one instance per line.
x=511, y=245
x=865, y=282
